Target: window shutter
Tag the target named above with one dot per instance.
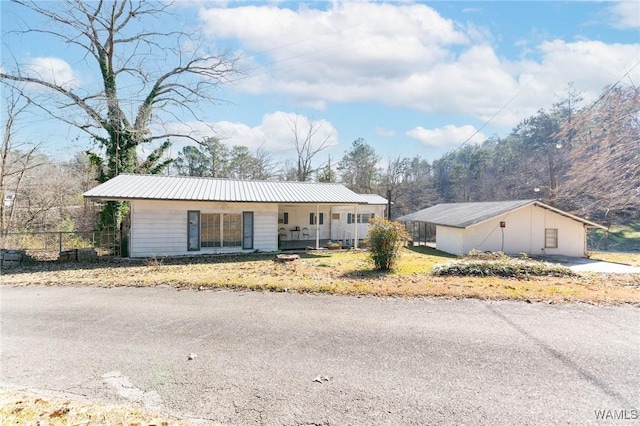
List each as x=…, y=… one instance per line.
x=321, y=218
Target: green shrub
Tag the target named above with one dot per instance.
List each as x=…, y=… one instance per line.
x=385, y=240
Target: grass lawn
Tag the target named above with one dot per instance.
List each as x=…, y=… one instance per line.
x=632, y=259
x=346, y=273
x=621, y=238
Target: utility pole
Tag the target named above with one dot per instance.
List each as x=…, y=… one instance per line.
x=389, y=204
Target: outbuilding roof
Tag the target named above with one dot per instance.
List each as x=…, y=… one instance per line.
x=464, y=215
x=157, y=187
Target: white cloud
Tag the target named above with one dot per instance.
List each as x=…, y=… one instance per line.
x=273, y=133
x=53, y=70
x=448, y=137
x=408, y=55
x=625, y=14
x=312, y=46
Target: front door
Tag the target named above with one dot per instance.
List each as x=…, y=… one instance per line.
x=193, y=231
x=247, y=230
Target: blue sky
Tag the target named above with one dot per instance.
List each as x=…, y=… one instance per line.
x=411, y=78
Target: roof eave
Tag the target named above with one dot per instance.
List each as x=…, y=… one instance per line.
x=586, y=222
x=101, y=199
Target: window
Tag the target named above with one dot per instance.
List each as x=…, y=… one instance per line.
x=551, y=238
x=283, y=218
x=217, y=230
x=364, y=218
x=335, y=216
x=210, y=230
x=312, y=218
x=232, y=230
x=360, y=217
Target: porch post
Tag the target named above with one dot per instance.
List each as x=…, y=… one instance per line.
x=355, y=230
x=317, y=226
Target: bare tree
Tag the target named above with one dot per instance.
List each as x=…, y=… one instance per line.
x=157, y=75
x=16, y=158
x=408, y=183
x=308, y=142
x=604, y=177
x=264, y=165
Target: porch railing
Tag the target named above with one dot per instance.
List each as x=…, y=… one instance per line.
x=348, y=238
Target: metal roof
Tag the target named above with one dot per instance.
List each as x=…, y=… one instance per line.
x=374, y=199
x=156, y=187
x=463, y=215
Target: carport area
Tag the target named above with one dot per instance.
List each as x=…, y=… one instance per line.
x=583, y=264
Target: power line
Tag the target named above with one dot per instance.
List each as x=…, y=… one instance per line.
x=488, y=121
x=606, y=92
x=604, y=95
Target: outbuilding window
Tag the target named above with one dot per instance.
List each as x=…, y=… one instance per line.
x=551, y=238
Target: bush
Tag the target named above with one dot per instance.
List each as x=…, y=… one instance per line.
x=385, y=240
x=500, y=265
x=485, y=255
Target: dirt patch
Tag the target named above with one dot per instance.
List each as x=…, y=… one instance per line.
x=20, y=408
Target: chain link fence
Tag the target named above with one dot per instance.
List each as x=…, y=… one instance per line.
x=49, y=245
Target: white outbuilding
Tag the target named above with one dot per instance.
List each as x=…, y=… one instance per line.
x=171, y=215
x=513, y=227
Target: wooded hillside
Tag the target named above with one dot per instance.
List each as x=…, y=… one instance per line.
x=582, y=159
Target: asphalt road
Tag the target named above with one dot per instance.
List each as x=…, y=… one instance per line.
x=376, y=361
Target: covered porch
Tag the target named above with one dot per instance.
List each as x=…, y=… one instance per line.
x=302, y=226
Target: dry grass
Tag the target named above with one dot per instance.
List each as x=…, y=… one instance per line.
x=347, y=273
x=632, y=259
x=21, y=408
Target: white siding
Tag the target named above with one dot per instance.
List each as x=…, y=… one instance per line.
x=518, y=233
x=159, y=228
x=341, y=229
x=524, y=233
x=299, y=216
x=449, y=239
x=571, y=234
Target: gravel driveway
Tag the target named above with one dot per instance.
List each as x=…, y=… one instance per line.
x=583, y=264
